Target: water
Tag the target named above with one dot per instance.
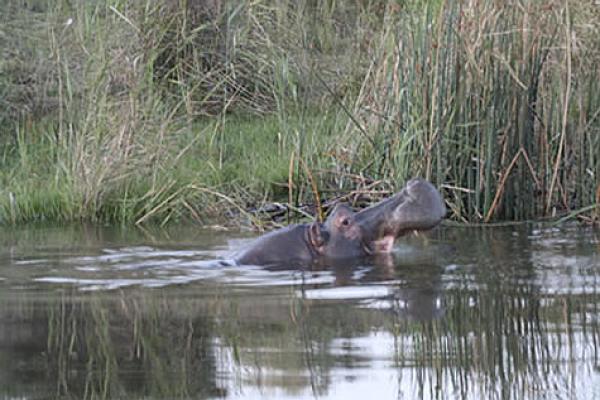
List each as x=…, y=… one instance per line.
x=89, y=312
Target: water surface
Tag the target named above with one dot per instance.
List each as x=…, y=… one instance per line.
x=94, y=312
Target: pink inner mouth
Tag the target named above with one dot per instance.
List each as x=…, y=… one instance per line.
x=384, y=245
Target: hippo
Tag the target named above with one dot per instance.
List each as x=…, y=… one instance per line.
x=347, y=234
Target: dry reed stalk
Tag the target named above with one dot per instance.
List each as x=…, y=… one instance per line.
x=598, y=203
x=315, y=190
x=500, y=188
x=565, y=111
x=290, y=184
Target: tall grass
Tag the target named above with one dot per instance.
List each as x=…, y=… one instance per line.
x=132, y=112
x=495, y=102
x=122, y=133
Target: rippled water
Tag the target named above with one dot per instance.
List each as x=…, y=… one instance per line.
x=92, y=312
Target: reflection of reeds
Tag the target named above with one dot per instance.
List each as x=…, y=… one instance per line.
x=129, y=346
x=511, y=345
x=496, y=342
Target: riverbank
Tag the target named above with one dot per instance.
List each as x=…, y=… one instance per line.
x=157, y=112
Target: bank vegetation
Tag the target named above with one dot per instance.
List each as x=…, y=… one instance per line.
x=247, y=111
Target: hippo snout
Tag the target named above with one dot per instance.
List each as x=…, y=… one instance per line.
x=428, y=205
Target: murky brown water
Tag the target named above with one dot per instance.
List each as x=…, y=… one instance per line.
x=107, y=313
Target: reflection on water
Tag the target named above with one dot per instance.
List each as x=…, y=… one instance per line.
x=106, y=313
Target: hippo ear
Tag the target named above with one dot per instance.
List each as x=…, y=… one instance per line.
x=317, y=235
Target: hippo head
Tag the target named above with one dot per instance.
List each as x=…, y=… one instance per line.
x=418, y=206
x=346, y=234
x=340, y=236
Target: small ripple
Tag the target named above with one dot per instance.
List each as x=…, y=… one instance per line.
x=136, y=253
x=88, y=269
x=96, y=284
x=347, y=293
x=32, y=261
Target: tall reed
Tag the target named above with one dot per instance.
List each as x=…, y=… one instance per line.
x=495, y=102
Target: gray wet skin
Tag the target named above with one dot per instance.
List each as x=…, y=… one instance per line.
x=346, y=234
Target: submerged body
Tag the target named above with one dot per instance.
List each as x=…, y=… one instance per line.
x=346, y=234
x=291, y=243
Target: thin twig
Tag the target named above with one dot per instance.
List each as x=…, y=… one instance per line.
x=501, y=186
x=537, y=182
x=345, y=109
x=576, y=213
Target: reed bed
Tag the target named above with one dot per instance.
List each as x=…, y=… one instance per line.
x=165, y=111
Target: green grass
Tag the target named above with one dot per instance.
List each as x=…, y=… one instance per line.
x=241, y=157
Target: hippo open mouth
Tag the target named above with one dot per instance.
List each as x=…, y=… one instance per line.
x=418, y=206
x=346, y=234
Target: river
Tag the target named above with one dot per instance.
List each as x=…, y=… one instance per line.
x=102, y=312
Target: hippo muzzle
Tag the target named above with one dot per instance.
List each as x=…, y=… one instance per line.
x=417, y=207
